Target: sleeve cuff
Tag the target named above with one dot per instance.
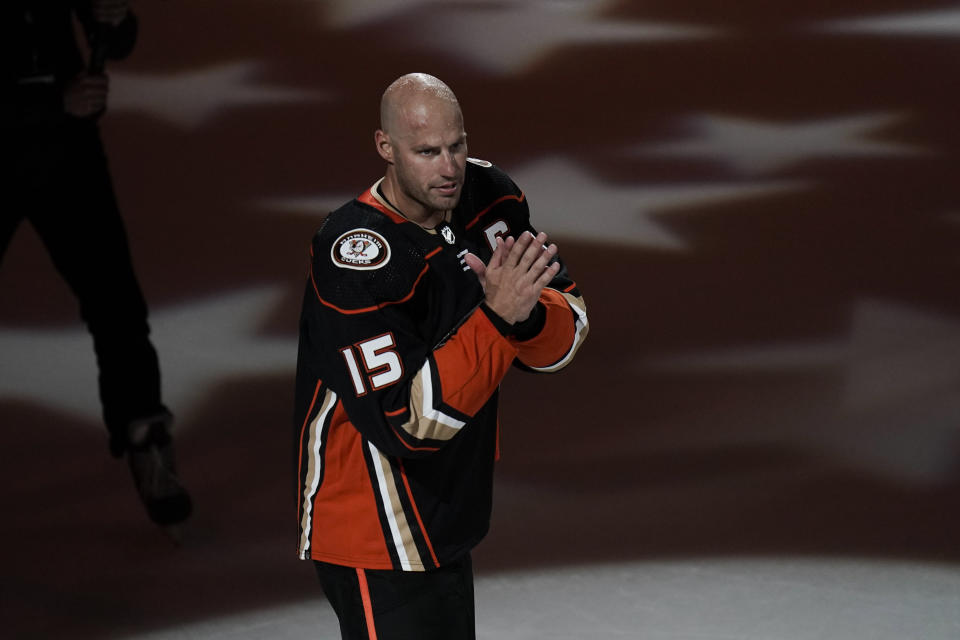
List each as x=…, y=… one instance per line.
x=522, y=331
x=532, y=326
x=501, y=325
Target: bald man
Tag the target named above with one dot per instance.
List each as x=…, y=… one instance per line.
x=422, y=293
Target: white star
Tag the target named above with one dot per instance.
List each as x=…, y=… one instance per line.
x=899, y=406
x=509, y=39
x=899, y=355
x=192, y=98
x=943, y=22
x=351, y=13
x=314, y=206
x=755, y=147
x=507, y=36
x=567, y=202
x=199, y=345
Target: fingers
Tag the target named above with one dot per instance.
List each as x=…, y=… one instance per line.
x=531, y=256
x=518, y=249
x=548, y=274
x=499, y=252
x=94, y=90
x=527, y=256
x=476, y=265
x=86, y=95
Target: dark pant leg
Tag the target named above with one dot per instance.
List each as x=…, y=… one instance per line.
x=81, y=227
x=342, y=587
x=405, y=605
x=18, y=183
x=10, y=219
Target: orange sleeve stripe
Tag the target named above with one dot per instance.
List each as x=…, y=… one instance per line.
x=478, y=351
x=416, y=513
x=374, y=307
x=555, y=340
x=476, y=218
x=367, y=605
x=570, y=288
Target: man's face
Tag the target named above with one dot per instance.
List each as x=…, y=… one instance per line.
x=429, y=157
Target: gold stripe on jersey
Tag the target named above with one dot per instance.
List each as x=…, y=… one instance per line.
x=426, y=422
x=402, y=537
x=311, y=479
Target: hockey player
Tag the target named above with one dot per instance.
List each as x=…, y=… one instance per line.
x=422, y=293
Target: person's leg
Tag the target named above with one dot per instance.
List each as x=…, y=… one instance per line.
x=349, y=597
x=20, y=185
x=10, y=219
x=88, y=244
x=85, y=236
x=400, y=605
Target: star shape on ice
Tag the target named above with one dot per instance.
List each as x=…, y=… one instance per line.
x=313, y=206
x=755, y=147
x=192, y=98
x=508, y=36
x=899, y=406
x=931, y=23
x=352, y=13
x=509, y=39
x=200, y=344
x=568, y=202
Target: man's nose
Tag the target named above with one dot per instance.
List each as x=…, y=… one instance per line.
x=451, y=164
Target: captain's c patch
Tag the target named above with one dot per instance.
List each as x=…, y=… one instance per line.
x=360, y=249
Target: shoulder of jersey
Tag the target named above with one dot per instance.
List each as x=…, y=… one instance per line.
x=361, y=259
x=487, y=177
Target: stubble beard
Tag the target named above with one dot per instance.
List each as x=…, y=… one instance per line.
x=426, y=198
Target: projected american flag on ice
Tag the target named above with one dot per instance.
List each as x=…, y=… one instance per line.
x=759, y=201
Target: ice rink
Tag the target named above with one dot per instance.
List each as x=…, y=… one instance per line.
x=760, y=439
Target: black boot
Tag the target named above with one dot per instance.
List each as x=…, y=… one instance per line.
x=151, y=460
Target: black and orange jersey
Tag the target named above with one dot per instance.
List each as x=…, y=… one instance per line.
x=397, y=377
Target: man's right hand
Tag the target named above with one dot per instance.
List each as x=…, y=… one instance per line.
x=516, y=274
x=86, y=95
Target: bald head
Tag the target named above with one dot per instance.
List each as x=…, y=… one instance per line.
x=413, y=98
x=421, y=138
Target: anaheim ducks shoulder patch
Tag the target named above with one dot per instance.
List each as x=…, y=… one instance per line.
x=360, y=249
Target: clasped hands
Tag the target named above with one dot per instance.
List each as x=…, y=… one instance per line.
x=517, y=272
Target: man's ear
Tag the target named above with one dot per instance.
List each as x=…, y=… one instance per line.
x=384, y=146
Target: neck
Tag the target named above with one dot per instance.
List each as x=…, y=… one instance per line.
x=411, y=210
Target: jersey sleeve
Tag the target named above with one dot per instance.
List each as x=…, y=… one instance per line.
x=404, y=391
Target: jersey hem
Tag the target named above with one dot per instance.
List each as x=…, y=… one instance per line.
x=343, y=561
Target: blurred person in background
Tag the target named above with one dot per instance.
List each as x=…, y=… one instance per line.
x=58, y=180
